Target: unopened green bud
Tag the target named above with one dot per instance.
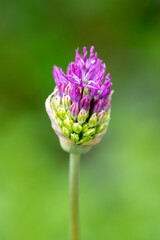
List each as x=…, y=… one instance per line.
x=77, y=128
x=66, y=101
x=85, y=127
x=61, y=112
x=93, y=120
x=60, y=122
x=68, y=124
x=107, y=117
x=85, y=139
x=90, y=132
x=55, y=102
x=101, y=127
x=65, y=131
x=87, y=113
x=101, y=117
x=82, y=116
x=74, y=137
x=55, y=114
x=68, y=115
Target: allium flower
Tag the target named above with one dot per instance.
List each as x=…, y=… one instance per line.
x=79, y=107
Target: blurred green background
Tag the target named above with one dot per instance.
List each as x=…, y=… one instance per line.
x=120, y=177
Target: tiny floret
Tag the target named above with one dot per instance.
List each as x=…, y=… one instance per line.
x=81, y=100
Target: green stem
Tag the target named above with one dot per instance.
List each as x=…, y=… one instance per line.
x=73, y=194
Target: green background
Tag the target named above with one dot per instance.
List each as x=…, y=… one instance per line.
x=120, y=177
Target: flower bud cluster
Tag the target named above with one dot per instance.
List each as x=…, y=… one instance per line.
x=81, y=100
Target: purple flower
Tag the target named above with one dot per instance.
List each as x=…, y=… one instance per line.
x=98, y=105
x=84, y=83
x=85, y=103
x=106, y=88
x=75, y=94
x=74, y=110
x=68, y=89
x=107, y=105
x=86, y=72
x=61, y=87
x=59, y=75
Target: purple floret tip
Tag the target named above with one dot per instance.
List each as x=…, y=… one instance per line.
x=85, y=103
x=92, y=49
x=98, y=105
x=84, y=82
x=107, y=105
x=68, y=89
x=75, y=94
x=74, y=110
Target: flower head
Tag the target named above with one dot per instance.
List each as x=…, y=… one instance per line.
x=82, y=97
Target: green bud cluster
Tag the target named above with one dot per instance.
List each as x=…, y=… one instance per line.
x=82, y=129
x=66, y=102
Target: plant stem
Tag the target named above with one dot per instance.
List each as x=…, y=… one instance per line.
x=73, y=194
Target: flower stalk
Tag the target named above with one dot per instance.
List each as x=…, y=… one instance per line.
x=73, y=195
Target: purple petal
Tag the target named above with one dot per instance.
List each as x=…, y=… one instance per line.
x=85, y=103
x=98, y=105
x=92, y=49
x=107, y=104
x=61, y=87
x=59, y=75
x=75, y=94
x=74, y=110
x=56, y=74
x=68, y=89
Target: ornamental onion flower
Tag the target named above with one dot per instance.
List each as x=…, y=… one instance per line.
x=79, y=109
x=81, y=101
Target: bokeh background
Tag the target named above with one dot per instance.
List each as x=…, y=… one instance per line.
x=120, y=177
